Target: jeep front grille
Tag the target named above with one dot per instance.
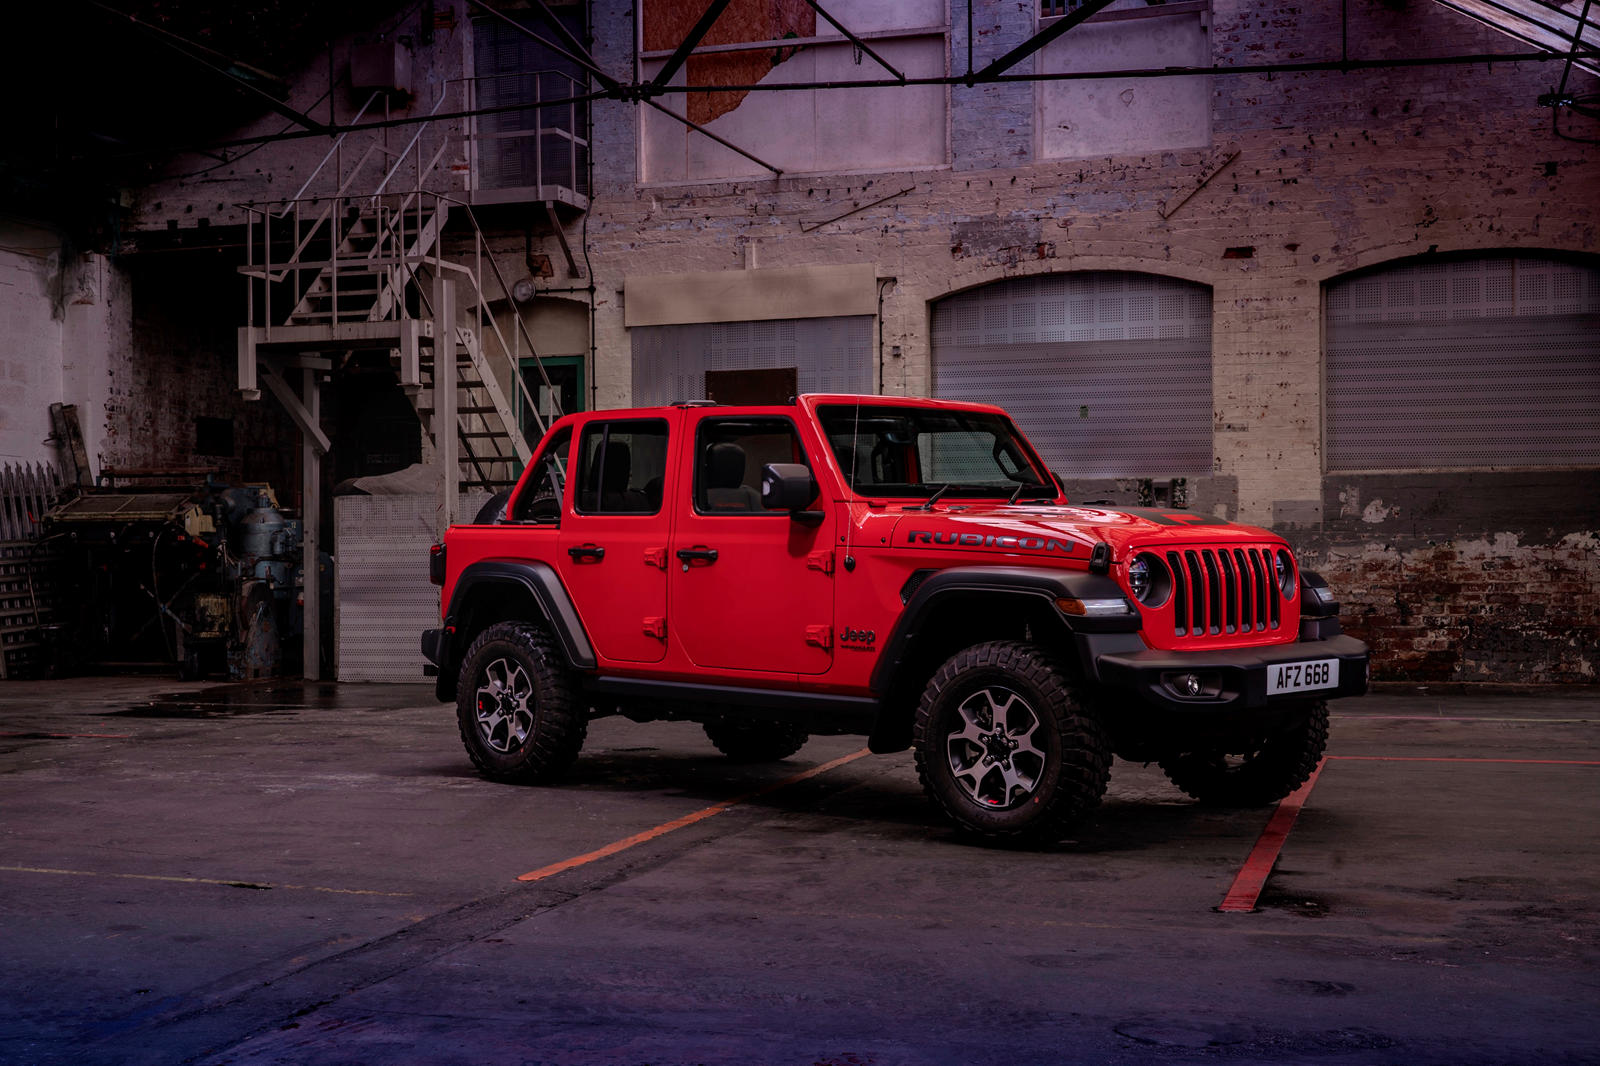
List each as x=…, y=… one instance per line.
x=1224, y=590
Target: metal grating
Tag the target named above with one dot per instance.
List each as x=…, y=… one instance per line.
x=829, y=355
x=1080, y=358
x=1468, y=363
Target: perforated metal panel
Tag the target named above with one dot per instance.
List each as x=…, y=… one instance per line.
x=382, y=598
x=1108, y=373
x=1483, y=362
x=830, y=355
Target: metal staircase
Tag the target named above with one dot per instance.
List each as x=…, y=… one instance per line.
x=359, y=267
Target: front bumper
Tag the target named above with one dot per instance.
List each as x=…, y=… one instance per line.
x=1236, y=678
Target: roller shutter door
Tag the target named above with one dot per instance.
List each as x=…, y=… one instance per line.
x=1469, y=363
x=382, y=598
x=1108, y=373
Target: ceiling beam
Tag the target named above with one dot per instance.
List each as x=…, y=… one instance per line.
x=578, y=53
x=1039, y=40
x=857, y=41
x=689, y=43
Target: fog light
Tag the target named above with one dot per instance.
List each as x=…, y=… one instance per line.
x=1192, y=684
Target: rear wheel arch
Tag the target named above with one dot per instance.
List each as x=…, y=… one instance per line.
x=495, y=591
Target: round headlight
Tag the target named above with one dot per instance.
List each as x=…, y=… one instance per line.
x=1148, y=579
x=1283, y=567
x=1139, y=578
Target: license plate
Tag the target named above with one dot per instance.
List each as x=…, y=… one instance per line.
x=1302, y=677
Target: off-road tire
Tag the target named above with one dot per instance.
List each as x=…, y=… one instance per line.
x=1050, y=757
x=745, y=739
x=1280, y=764
x=517, y=705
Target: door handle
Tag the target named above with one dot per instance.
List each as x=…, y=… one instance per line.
x=688, y=555
x=587, y=551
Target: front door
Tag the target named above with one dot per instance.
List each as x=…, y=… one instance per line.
x=751, y=589
x=613, y=548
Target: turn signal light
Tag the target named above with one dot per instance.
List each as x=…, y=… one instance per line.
x=1094, y=608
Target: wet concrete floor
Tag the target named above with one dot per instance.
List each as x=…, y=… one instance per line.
x=303, y=873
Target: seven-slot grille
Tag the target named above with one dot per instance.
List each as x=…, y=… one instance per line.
x=1224, y=590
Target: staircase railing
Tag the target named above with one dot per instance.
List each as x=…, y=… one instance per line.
x=405, y=229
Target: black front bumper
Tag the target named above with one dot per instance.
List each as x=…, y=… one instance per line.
x=1236, y=679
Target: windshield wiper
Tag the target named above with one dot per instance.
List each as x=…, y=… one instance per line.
x=927, y=505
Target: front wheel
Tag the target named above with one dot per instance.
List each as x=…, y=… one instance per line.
x=517, y=705
x=1004, y=747
x=1265, y=773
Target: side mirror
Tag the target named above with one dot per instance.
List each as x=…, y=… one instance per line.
x=789, y=487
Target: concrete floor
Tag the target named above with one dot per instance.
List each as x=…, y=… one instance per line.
x=295, y=873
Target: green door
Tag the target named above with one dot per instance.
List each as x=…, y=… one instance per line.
x=566, y=388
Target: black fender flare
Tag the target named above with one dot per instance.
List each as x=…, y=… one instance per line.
x=539, y=580
x=1031, y=582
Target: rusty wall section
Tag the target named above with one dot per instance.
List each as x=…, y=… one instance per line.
x=667, y=23
x=1471, y=576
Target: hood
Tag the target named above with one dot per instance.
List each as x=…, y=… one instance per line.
x=1065, y=530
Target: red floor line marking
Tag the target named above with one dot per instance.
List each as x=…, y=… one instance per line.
x=72, y=736
x=678, y=823
x=1447, y=758
x=1252, y=877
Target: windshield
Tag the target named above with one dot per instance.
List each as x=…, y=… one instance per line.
x=916, y=452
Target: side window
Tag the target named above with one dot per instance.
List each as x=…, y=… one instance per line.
x=540, y=502
x=729, y=455
x=621, y=466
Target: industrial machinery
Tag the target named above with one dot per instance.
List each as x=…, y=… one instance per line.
x=175, y=567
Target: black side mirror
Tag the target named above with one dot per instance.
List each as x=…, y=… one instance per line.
x=789, y=487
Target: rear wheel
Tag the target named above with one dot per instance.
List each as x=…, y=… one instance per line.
x=1267, y=772
x=755, y=739
x=1004, y=747
x=516, y=705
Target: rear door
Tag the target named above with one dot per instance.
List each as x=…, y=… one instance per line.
x=751, y=589
x=613, y=547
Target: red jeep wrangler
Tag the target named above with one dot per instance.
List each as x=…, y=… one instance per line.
x=899, y=568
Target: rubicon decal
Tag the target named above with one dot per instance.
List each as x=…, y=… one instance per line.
x=990, y=540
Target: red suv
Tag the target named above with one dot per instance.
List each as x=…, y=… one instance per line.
x=904, y=569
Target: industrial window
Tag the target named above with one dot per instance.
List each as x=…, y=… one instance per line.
x=1481, y=362
x=531, y=153
x=1125, y=116
x=804, y=129
x=672, y=363
x=622, y=466
x=1108, y=373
